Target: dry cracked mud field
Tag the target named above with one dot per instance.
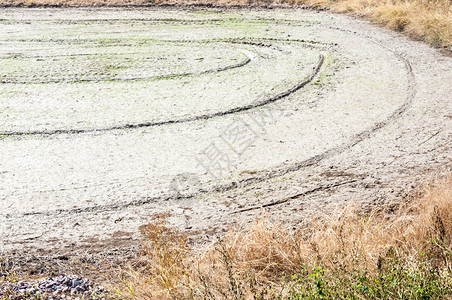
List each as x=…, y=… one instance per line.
x=110, y=116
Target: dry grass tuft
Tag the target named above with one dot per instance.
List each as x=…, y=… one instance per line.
x=161, y=270
x=401, y=252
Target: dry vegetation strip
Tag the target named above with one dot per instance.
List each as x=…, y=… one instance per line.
x=402, y=252
x=427, y=20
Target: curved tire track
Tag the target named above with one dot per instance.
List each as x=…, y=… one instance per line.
x=295, y=169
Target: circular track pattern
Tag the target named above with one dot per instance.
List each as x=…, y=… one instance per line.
x=89, y=91
x=103, y=113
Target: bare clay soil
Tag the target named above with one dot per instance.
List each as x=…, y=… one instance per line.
x=111, y=116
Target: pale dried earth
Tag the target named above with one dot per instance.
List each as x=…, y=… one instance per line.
x=111, y=116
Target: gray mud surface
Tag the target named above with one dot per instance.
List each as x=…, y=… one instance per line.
x=111, y=116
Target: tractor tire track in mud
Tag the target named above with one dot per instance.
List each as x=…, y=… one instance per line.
x=185, y=120
x=277, y=172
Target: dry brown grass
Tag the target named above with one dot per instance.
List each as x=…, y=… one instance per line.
x=429, y=20
x=392, y=248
